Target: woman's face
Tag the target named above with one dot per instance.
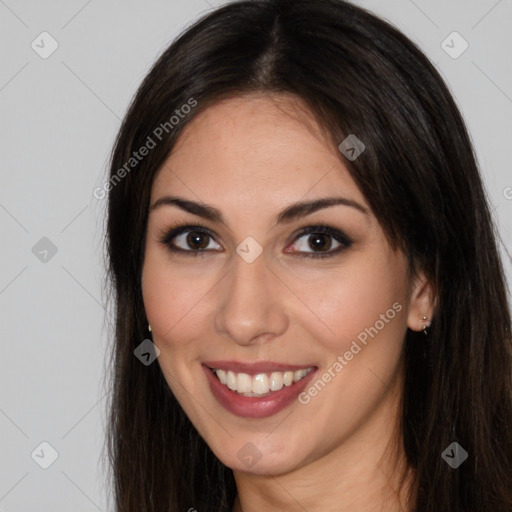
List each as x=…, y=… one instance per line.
x=251, y=295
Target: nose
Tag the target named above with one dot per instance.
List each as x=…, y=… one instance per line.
x=253, y=303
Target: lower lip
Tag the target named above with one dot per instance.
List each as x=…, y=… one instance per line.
x=255, y=407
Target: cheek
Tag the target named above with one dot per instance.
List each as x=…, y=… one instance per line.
x=166, y=296
x=364, y=296
x=364, y=308
x=172, y=303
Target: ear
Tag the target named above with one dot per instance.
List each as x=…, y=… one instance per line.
x=421, y=303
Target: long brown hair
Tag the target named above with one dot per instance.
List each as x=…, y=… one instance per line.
x=358, y=74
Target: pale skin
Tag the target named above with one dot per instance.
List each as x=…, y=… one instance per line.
x=251, y=157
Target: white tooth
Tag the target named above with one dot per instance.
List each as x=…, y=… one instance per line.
x=231, y=380
x=276, y=381
x=288, y=378
x=244, y=383
x=221, y=374
x=298, y=375
x=260, y=384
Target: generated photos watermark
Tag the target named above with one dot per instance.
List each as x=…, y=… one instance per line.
x=137, y=156
x=352, y=147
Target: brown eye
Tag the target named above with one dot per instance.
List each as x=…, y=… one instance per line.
x=320, y=241
x=314, y=241
x=317, y=242
x=197, y=240
x=191, y=240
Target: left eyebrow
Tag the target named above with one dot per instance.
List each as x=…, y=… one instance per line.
x=301, y=209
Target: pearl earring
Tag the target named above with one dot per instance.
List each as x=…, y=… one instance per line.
x=425, y=325
x=149, y=328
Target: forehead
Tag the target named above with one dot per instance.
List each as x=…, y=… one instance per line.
x=253, y=150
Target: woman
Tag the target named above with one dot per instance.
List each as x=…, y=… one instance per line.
x=310, y=307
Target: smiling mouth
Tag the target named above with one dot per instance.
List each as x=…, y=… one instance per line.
x=260, y=384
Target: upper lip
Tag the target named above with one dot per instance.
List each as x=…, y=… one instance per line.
x=255, y=368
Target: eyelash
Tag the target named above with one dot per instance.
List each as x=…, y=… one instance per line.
x=173, y=231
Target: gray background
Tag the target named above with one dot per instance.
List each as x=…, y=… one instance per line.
x=59, y=118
